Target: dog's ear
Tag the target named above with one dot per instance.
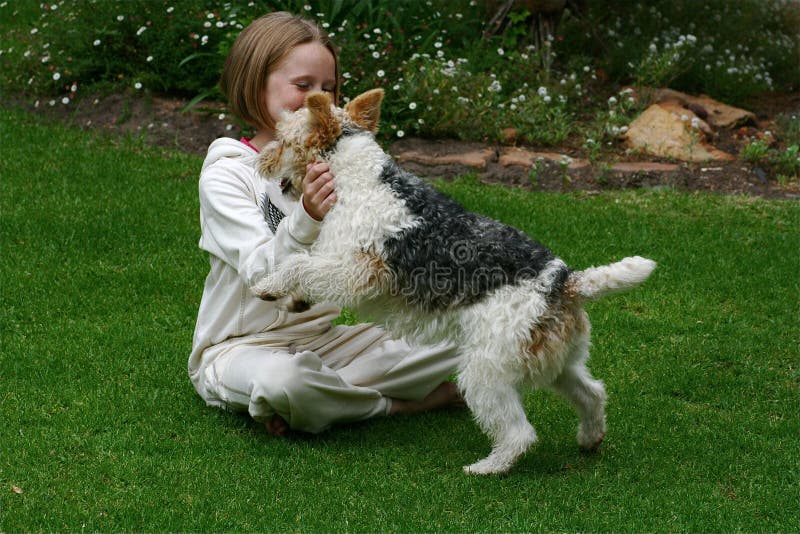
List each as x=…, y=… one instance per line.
x=324, y=129
x=365, y=109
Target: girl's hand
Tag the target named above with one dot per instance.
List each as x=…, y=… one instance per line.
x=318, y=191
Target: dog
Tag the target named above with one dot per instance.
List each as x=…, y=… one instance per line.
x=404, y=254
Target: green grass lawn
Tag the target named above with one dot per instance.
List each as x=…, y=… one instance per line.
x=100, y=429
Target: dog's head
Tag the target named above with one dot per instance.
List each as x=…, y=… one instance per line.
x=304, y=136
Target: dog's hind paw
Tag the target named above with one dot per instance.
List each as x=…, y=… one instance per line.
x=591, y=444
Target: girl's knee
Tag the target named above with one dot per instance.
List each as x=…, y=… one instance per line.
x=283, y=381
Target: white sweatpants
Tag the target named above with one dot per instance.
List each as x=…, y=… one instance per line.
x=342, y=374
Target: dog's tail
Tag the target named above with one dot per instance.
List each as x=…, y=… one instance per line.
x=596, y=282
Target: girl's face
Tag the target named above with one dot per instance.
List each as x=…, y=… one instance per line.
x=307, y=67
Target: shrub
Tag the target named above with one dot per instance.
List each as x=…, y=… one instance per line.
x=738, y=48
x=444, y=75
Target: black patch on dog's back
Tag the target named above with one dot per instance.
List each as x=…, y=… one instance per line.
x=453, y=256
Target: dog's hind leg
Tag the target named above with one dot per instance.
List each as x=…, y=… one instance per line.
x=585, y=393
x=496, y=404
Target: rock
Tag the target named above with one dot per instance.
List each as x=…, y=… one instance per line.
x=667, y=130
x=644, y=166
x=527, y=158
x=478, y=158
x=719, y=115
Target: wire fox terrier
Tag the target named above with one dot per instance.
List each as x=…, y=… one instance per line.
x=401, y=252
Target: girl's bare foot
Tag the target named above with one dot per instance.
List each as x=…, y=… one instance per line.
x=277, y=426
x=445, y=395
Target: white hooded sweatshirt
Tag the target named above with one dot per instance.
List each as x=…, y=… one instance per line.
x=243, y=249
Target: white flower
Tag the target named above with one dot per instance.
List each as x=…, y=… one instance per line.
x=210, y=16
x=376, y=55
x=500, y=52
x=612, y=100
x=170, y=9
x=437, y=44
x=307, y=7
x=204, y=40
x=141, y=30
x=412, y=105
x=221, y=116
x=684, y=118
x=149, y=59
x=380, y=74
x=400, y=133
x=547, y=99
x=120, y=17
x=695, y=122
x=96, y=42
x=206, y=24
x=542, y=91
x=74, y=87
x=376, y=30
x=65, y=100
x=495, y=87
x=57, y=76
x=34, y=31
x=52, y=102
x=137, y=85
x=396, y=87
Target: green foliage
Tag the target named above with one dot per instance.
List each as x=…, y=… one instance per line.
x=444, y=74
x=102, y=431
x=730, y=50
x=784, y=158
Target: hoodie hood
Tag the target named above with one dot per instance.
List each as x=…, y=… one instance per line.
x=226, y=147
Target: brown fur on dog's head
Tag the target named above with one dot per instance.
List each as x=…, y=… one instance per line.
x=302, y=136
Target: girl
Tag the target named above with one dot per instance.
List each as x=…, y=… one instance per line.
x=288, y=370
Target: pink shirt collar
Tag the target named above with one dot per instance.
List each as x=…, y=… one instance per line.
x=246, y=141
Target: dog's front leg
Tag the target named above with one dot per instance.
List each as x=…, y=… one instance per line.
x=494, y=400
x=283, y=281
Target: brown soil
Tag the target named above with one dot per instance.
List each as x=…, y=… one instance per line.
x=161, y=121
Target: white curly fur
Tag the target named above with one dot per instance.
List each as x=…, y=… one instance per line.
x=510, y=338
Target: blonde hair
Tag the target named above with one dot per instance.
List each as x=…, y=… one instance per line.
x=258, y=49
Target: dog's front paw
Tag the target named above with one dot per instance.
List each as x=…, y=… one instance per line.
x=297, y=305
x=590, y=443
x=487, y=466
